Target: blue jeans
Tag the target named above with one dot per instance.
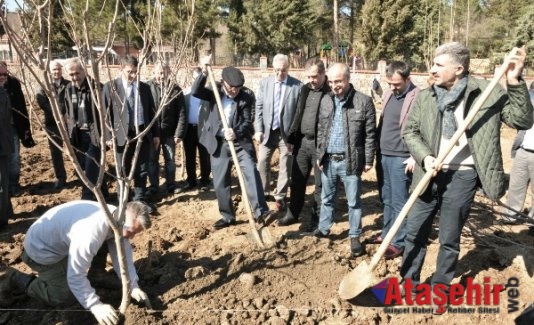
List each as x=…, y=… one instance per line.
x=329, y=176
x=14, y=163
x=452, y=193
x=169, y=151
x=395, y=187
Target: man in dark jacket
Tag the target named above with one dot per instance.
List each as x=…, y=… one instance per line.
x=20, y=123
x=475, y=159
x=169, y=98
x=302, y=139
x=55, y=143
x=131, y=108
x=6, y=149
x=83, y=126
x=346, y=146
x=238, y=104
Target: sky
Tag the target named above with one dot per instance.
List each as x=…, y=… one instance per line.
x=12, y=4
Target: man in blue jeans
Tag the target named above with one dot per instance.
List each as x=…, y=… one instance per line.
x=395, y=166
x=475, y=159
x=345, y=148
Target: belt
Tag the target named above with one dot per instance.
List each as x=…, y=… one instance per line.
x=336, y=156
x=527, y=150
x=83, y=126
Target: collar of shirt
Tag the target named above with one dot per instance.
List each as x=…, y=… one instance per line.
x=403, y=94
x=127, y=86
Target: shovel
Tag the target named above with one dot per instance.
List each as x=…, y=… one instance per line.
x=261, y=236
x=361, y=277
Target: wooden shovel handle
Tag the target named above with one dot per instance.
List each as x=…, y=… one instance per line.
x=242, y=185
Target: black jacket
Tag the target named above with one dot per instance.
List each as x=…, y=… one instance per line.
x=294, y=135
x=44, y=102
x=241, y=122
x=172, y=120
x=91, y=111
x=20, y=113
x=359, y=124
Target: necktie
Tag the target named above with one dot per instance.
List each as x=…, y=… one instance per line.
x=131, y=105
x=277, y=102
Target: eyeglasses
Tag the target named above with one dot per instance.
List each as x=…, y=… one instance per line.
x=3, y=74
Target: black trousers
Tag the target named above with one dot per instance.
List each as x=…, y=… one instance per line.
x=304, y=160
x=141, y=168
x=191, y=145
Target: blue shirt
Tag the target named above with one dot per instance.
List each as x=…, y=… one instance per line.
x=336, y=142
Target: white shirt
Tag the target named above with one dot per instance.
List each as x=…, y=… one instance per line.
x=193, y=107
x=460, y=156
x=76, y=230
x=138, y=108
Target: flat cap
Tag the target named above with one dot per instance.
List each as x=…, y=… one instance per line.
x=233, y=76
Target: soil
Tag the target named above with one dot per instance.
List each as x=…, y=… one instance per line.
x=197, y=275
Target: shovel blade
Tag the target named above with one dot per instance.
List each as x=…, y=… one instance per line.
x=266, y=237
x=356, y=281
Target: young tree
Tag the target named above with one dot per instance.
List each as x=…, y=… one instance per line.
x=35, y=55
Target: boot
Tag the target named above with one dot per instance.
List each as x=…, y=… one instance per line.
x=20, y=281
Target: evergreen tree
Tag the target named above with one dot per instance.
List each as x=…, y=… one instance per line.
x=269, y=27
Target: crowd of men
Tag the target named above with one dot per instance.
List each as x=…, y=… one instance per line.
x=325, y=125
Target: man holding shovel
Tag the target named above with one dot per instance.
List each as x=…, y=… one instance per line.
x=238, y=104
x=475, y=159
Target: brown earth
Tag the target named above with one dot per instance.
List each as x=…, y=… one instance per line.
x=195, y=275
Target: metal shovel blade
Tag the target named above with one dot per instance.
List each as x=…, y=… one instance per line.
x=266, y=237
x=356, y=281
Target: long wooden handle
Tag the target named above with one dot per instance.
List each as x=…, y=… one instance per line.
x=244, y=192
x=429, y=174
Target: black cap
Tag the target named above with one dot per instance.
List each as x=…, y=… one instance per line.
x=233, y=76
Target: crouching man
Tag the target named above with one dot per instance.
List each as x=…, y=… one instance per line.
x=60, y=247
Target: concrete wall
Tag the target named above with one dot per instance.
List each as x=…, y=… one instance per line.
x=362, y=80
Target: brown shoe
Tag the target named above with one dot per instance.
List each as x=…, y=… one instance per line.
x=392, y=252
x=377, y=239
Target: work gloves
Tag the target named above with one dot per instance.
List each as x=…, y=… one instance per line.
x=105, y=314
x=140, y=296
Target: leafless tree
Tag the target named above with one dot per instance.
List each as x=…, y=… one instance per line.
x=34, y=61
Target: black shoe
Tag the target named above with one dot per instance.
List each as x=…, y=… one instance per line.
x=151, y=191
x=356, y=248
x=221, y=223
x=319, y=234
x=186, y=188
x=59, y=184
x=205, y=186
x=286, y=220
x=19, y=281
